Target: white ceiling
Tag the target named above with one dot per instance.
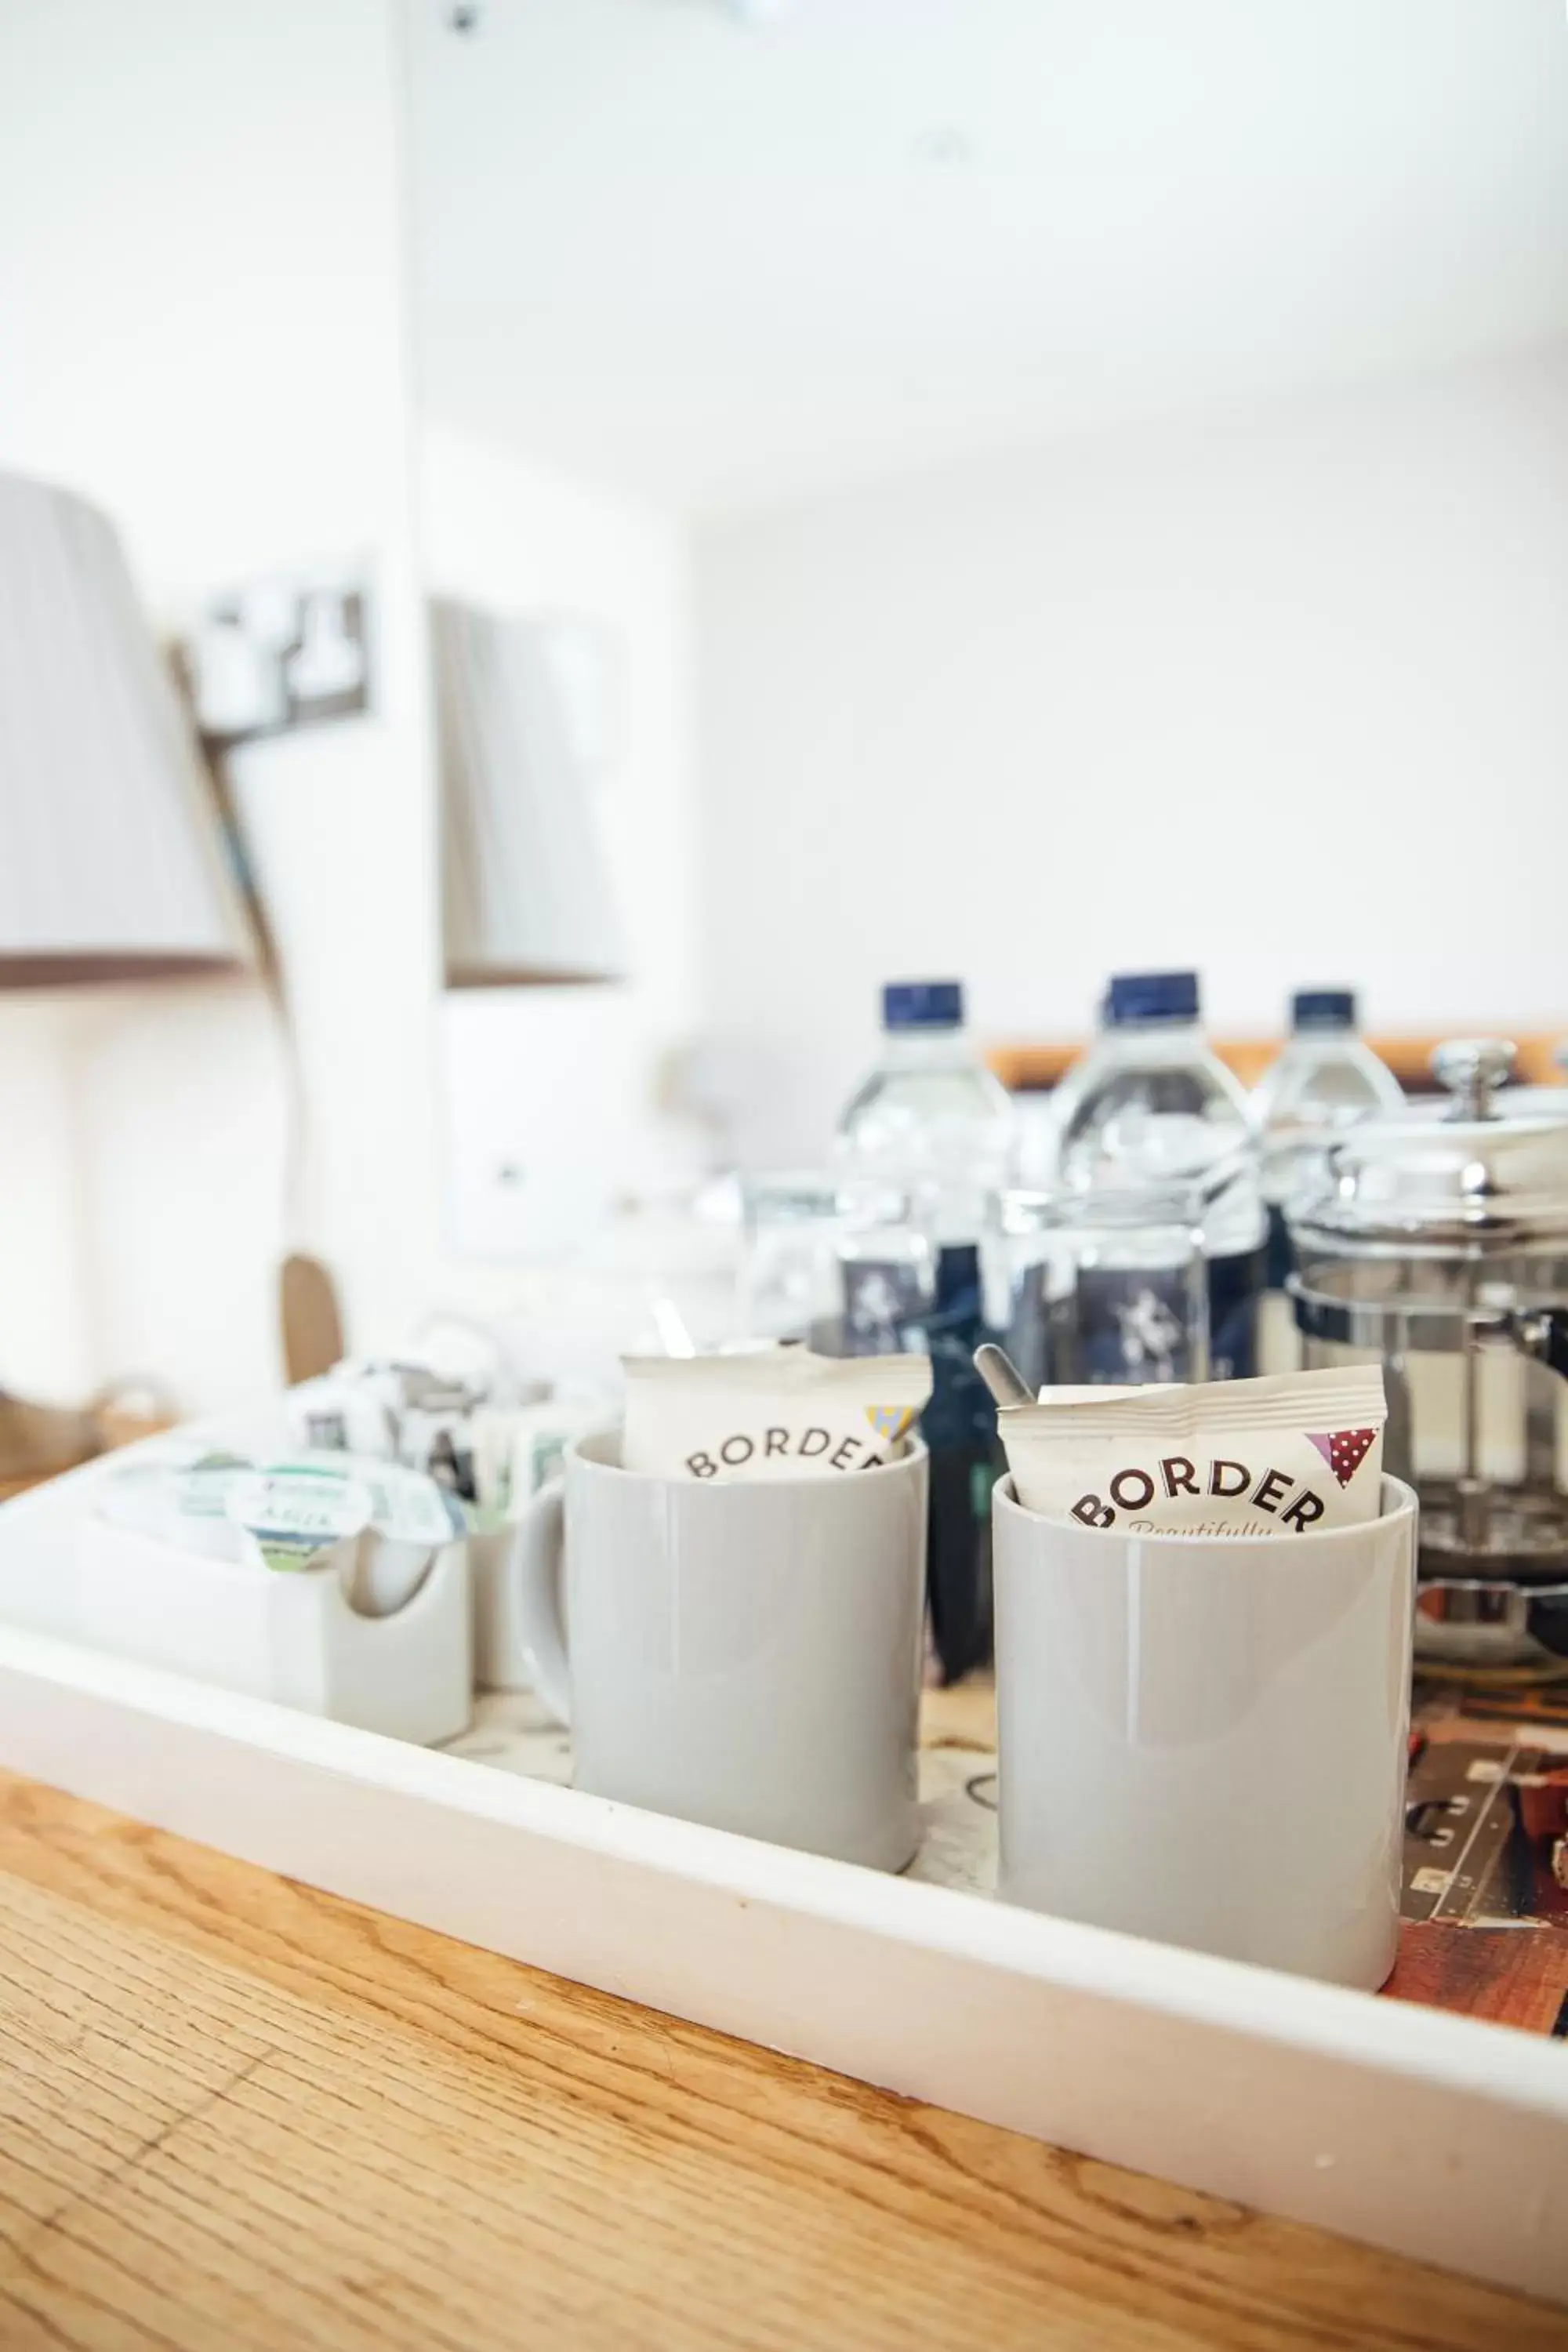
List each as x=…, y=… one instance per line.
x=716, y=264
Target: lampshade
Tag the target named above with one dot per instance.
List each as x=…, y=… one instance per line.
x=112, y=865
x=526, y=886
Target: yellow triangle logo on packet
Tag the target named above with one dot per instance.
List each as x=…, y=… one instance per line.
x=890, y=1421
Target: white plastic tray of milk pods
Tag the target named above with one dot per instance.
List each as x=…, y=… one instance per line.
x=381, y=1639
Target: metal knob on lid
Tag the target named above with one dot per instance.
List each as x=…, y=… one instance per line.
x=1474, y=1069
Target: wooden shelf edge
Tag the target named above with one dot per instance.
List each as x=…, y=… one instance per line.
x=1034, y=1066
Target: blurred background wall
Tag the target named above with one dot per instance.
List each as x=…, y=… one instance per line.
x=582, y=1065
x=1278, y=686
x=1054, y=489
x=201, y=258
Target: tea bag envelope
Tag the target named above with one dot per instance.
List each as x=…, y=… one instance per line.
x=781, y=1413
x=1277, y=1456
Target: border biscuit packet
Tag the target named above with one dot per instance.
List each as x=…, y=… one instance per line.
x=1276, y=1456
x=781, y=1413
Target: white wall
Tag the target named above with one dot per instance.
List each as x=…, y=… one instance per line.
x=201, y=280
x=1238, y=691
x=44, y=1302
x=1277, y=692
x=203, y=259
x=561, y=1085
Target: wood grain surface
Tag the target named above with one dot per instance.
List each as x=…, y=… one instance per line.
x=234, y=2113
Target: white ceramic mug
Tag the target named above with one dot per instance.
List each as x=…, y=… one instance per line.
x=746, y=1654
x=1204, y=1740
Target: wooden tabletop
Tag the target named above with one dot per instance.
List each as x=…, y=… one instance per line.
x=234, y=2113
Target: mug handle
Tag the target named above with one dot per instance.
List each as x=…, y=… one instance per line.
x=537, y=1560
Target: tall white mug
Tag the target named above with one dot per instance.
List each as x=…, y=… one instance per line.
x=1204, y=1740
x=746, y=1654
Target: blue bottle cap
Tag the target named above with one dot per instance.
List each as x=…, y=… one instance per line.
x=1323, y=1008
x=922, y=1005
x=1152, y=996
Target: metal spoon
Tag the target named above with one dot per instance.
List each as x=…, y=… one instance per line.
x=1002, y=1376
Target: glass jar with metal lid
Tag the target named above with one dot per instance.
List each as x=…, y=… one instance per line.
x=1113, y=1285
x=844, y=1262
x=1437, y=1241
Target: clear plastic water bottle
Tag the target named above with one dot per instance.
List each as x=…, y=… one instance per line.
x=1323, y=1081
x=932, y=1119
x=1326, y=1078
x=1149, y=1108
x=931, y=1116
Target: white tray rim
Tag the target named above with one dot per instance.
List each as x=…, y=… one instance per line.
x=1435, y=2135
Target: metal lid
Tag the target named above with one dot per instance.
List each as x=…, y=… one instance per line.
x=1533, y=1102
x=1477, y=1176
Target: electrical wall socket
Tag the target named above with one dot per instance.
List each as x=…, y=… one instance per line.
x=277, y=655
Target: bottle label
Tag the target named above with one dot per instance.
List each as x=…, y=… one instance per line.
x=959, y=1426
x=1281, y=1257
x=1236, y=1285
x=1128, y=1326
x=949, y=1327
x=1131, y=1327
x=884, y=1299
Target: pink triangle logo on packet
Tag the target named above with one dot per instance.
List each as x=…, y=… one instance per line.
x=1344, y=1450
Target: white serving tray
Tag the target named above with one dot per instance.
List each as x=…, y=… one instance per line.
x=1435, y=2135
